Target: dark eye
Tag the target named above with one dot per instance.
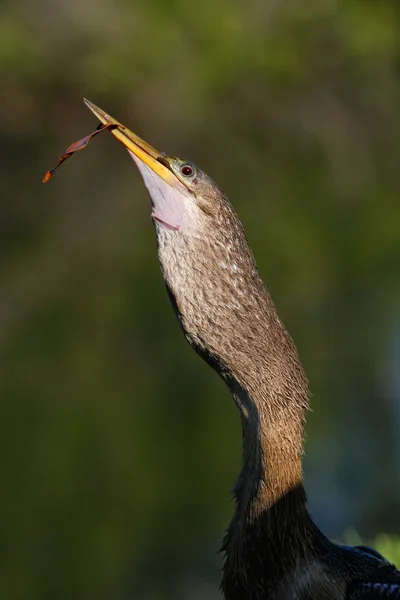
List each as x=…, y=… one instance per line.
x=187, y=170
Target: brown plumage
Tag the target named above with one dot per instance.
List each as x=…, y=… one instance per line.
x=273, y=549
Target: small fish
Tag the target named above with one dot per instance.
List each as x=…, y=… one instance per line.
x=79, y=145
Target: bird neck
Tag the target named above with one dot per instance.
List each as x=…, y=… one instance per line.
x=230, y=320
x=272, y=447
x=270, y=388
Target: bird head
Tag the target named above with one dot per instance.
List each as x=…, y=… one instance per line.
x=183, y=197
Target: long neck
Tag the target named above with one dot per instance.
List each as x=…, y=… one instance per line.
x=229, y=318
x=270, y=526
x=272, y=402
x=272, y=450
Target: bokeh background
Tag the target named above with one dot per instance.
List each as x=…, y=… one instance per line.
x=118, y=446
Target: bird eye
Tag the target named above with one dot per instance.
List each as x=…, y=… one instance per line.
x=187, y=170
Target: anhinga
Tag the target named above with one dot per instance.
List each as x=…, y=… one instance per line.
x=273, y=549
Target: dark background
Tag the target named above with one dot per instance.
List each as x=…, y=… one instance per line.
x=118, y=446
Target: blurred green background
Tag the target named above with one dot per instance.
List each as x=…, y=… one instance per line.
x=118, y=446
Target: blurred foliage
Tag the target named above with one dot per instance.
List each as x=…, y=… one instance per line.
x=387, y=545
x=118, y=445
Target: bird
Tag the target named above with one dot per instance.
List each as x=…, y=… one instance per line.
x=272, y=548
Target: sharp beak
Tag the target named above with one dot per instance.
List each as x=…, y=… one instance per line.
x=141, y=149
x=166, y=191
